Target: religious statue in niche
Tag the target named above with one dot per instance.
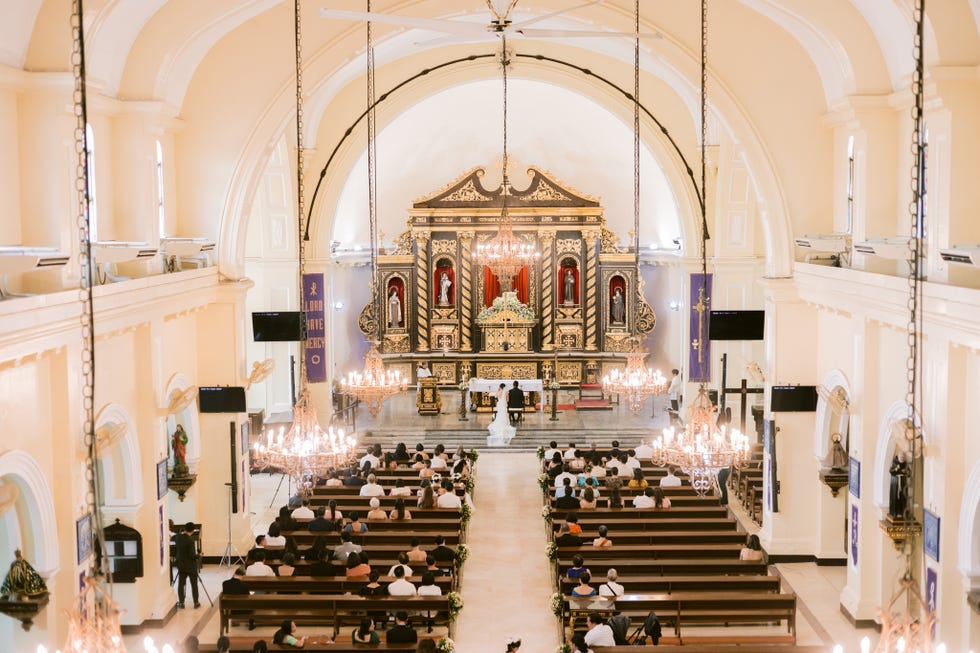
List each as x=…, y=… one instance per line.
x=178, y=443
x=838, y=457
x=617, y=301
x=445, y=286
x=394, y=309
x=569, y=282
x=22, y=579
x=898, y=493
x=444, y=283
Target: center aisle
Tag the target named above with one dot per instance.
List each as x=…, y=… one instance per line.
x=507, y=578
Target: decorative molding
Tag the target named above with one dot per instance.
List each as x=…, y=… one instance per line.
x=442, y=247
x=568, y=246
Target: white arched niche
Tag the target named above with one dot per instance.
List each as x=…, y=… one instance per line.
x=830, y=419
x=30, y=523
x=888, y=439
x=119, y=462
x=968, y=537
x=551, y=127
x=189, y=417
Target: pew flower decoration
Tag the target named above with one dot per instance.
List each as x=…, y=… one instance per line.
x=543, y=481
x=465, y=513
x=473, y=455
x=557, y=604
x=546, y=513
x=469, y=483
x=564, y=648
x=455, y=605
x=445, y=645
x=552, y=551
x=540, y=452
x=462, y=553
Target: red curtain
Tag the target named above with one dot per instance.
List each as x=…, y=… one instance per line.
x=614, y=283
x=560, y=291
x=399, y=288
x=444, y=266
x=522, y=284
x=491, y=285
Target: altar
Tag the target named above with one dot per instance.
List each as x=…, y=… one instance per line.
x=482, y=392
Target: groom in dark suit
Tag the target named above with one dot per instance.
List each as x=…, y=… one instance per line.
x=515, y=403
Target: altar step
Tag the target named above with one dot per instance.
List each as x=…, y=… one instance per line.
x=527, y=439
x=593, y=404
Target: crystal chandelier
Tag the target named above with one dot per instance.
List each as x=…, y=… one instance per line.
x=505, y=254
x=636, y=382
x=375, y=384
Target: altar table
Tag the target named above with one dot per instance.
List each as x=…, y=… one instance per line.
x=486, y=389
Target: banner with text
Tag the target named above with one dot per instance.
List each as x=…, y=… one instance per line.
x=316, y=344
x=699, y=364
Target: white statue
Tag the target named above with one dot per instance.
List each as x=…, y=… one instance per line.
x=444, y=285
x=569, y=295
x=394, y=310
x=618, y=307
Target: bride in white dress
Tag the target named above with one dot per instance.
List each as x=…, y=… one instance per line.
x=500, y=429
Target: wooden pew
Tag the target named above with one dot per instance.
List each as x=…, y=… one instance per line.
x=665, y=567
x=421, y=524
x=245, y=644
x=736, y=644
x=328, y=584
x=630, y=514
x=653, y=551
x=377, y=537
x=671, y=584
x=643, y=521
x=672, y=537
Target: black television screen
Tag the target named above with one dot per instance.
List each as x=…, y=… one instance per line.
x=284, y=326
x=736, y=325
x=222, y=399
x=794, y=398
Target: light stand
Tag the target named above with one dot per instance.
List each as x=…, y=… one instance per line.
x=230, y=547
x=554, y=400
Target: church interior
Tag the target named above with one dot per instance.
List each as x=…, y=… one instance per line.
x=460, y=195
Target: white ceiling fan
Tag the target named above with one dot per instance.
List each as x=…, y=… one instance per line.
x=500, y=24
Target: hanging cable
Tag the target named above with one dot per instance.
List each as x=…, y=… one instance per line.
x=703, y=297
x=636, y=148
x=372, y=182
x=300, y=199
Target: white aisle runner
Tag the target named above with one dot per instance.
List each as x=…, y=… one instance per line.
x=507, y=578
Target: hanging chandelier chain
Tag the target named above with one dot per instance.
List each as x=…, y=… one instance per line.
x=372, y=163
x=704, y=139
x=636, y=138
x=300, y=199
x=504, y=62
x=916, y=213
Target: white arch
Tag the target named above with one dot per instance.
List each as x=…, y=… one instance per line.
x=36, y=494
x=968, y=536
x=189, y=417
x=121, y=463
x=111, y=36
x=821, y=433
x=16, y=30
x=886, y=443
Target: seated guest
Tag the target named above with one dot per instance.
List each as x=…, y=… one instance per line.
x=438, y=570
x=286, y=521
x=427, y=498
x=447, y=498
x=583, y=588
x=625, y=471
x=588, y=500
x=427, y=471
x=566, y=501
x=670, y=480
x=261, y=647
x=259, y=546
x=566, y=472
x=637, y=482
x=646, y=499
x=602, y=540
x=319, y=544
x=332, y=514
x=355, y=525
x=369, y=457
x=321, y=566
x=389, y=462
x=287, y=636
x=235, y=584
x=420, y=451
x=555, y=466
x=578, y=567
x=611, y=587
x=631, y=460
x=644, y=451
x=566, y=538
x=570, y=452
x=373, y=587
x=438, y=462
x=356, y=566
x=400, y=489
x=288, y=566
x=416, y=554
x=659, y=500
x=579, y=645
x=401, y=632
x=259, y=568
x=334, y=480
x=274, y=536
x=419, y=462
x=599, y=633
x=752, y=549
x=320, y=524
x=400, y=512
x=428, y=585
x=401, y=452
x=354, y=480
x=346, y=547
x=551, y=451
x=304, y=511
x=400, y=586
x=371, y=488
x=572, y=520
x=403, y=563
x=443, y=553
x=615, y=500
x=365, y=633
x=376, y=512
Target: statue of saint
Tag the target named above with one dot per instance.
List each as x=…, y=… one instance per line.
x=838, y=462
x=394, y=309
x=444, y=286
x=569, y=287
x=22, y=579
x=899, y=488
x=618, y=307
x=179, y=444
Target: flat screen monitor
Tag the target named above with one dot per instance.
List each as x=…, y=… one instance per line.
x=222, y=399
x=736, y=325
x=283, y=326
x=794, y=398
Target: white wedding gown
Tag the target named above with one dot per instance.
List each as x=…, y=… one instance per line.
x=501, y=432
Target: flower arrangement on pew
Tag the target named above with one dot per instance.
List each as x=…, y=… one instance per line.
x=564, y=648
x=465, y=513
x=558, y=604
x=455, y=605
x=462, y=553
x=540, y=452
x=546, y=513
x=543, y=482
x=552, y=550
x=445, y=645
x=473, y=455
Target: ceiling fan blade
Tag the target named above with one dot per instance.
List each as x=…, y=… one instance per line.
x=435, y=25
x=576, y=34
x=532, y=21
x=453, y=39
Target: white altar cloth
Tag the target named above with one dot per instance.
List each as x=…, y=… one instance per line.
x=491, y=385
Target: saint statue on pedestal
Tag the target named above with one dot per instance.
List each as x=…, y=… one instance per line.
x=898, y=490
x=445, y=284
x=569, y=287
x=394, y=310
x=618, y=307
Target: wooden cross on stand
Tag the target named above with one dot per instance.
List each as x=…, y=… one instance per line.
x=743, y=390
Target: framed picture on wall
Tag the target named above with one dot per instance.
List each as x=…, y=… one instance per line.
x=83, y=537
x=161, y=478
x=854, y=478
x=930, y=534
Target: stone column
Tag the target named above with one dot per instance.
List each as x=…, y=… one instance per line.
x=465, y=278
x=591, y=298
x=547, y=240
x=422, y=290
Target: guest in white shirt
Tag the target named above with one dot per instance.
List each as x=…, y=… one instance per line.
x=428, y=586
x=570, y=452
x=566, y=473
x=369, y=457
x=274, y=536
x=448, y=499
x=644, y=500
x=438, y=462
x=400, y=490
x=632, y=461
x=259, y=568
x=401, y=564
x=611, y=587
x=371, y=488
x=670, y=480
x=400, y=586
x=303, y=512
x=599, y=633
x=644, y=451
x=551, y=450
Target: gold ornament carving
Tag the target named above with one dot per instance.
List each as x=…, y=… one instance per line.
x=399, y=343
x=403, y=244
x=646, y=319
x=544, y=192
x=506, y=370
x=445, y=372
x=569, y=336
x=367, y=320
x=443, y=247
x=466, y=193
x=569, y=313
x=569, y=372
x=609, y=242
x=568, y=246
x=444, y=314
x=617, y=341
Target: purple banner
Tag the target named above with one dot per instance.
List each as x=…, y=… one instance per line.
x=854, y=534
x=316, y=344
x=932, y=594
x=699, y=364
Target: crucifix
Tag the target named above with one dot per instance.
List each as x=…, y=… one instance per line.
x=743, y=390
x=700, y=307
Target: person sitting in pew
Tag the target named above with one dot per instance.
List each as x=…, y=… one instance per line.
x=400, y=586
x=365, y=633
x=346, y=547
x=637, y=482
x=428, y=585
x=579, y=645
x=670, y=480
x=354, y=478
x=426, y=646
x=443, y=553
x=334, y=480
x=355, y=525
x=566, y=472
x=372, y=488
x=401, y=453
x=611, y=587
x=578, y=567
x=427, y=472
x=235, y=584
x=376, y=513
x=259, y=568
x=566, y=499
x=260, y=647
x=427, y=498
x=419, y=463
x=599, y=634
x=371, y=456
x=400, y=489
x=623, y=467
x=644, y=451
x=416, y=554
x=554, y=466
x=401, y=632
x=659, y=500
x=551, y=451
x=288, y=566
x=565, y=537
x=602, y=540
x=615, y=499
x=587, y=500
x=287, y=636
x=583, y=588
x=570, y=452
x=646, y=499
x=274, y=536
x=321, y=565
x=357, y=566
x=303, y=512
x=752, y=549
x=399, y=512
x=447, y=497
x=259, y=546
x=403, y=563
x=438, y=570
x=438, y=461
x=573, y=527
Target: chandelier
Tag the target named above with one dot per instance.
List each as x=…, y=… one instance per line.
x=375, y=384
x=505, y=254
x=703, y=448
x=636, y=382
